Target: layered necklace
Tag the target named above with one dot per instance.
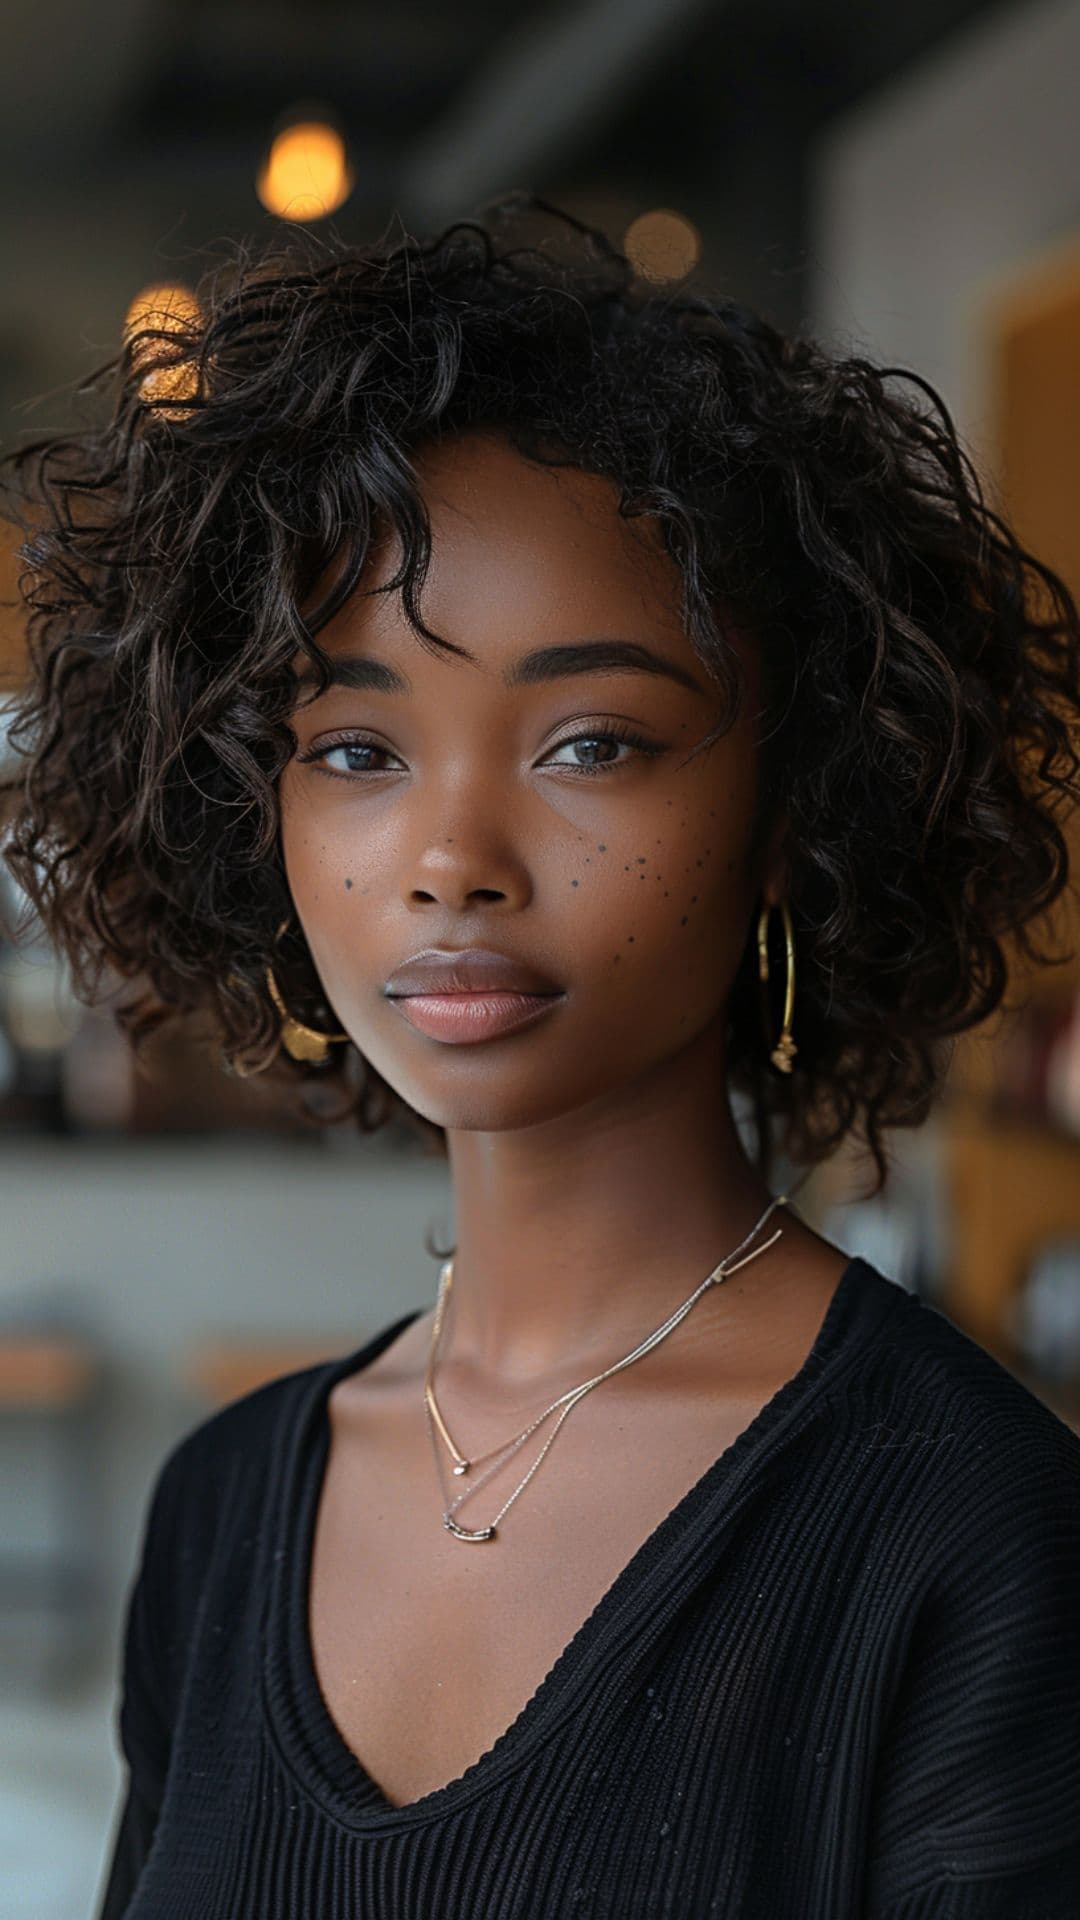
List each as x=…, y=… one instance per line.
x=462, y=1465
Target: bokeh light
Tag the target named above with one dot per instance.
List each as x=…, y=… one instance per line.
x=166, y=306
x=306, y=175
x=662, y=245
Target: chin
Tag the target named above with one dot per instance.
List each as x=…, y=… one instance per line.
x=496, y=1104
x=486, y=1114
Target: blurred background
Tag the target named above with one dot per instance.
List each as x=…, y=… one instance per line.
x=903, y=182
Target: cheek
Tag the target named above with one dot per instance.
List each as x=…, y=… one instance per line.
x=318, y=845
x=662, y=901
x=316, y=868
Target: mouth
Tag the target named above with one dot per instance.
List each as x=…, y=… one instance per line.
x=461, y=1018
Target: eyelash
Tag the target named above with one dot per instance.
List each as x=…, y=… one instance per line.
x=612, y=731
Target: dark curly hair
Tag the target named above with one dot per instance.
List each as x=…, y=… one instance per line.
x=921, y=669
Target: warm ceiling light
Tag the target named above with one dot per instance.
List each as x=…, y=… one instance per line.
x=662, y=245
x=166, y=307
x=306, y=175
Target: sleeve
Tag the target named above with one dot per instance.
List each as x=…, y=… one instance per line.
x=977, y=1795
x=143, y=1715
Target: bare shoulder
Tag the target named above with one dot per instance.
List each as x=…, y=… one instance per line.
x=794, y=1285
x=396, y=1369
x=808, y=1254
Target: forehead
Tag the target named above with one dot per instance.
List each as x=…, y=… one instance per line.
x=517, y=550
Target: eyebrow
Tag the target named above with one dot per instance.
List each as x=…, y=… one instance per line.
x=363, y=673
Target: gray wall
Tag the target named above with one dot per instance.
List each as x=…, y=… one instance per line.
x=935, y=188
x=160, y=1245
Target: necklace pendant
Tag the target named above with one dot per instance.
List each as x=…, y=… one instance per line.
x=464, y=1467
x=467, y=1533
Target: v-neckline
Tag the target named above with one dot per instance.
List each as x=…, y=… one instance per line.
x=308, y=1737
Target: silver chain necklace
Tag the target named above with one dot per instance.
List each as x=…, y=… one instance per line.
x=568, y=1400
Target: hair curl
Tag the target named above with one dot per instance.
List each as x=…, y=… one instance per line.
x=921, y=669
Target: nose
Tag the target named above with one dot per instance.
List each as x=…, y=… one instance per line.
x=452, y=895
x=463, y=869
x=467, y=834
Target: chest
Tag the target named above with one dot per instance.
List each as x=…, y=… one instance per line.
x=427, y=1648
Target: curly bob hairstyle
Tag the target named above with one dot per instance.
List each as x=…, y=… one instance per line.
x=921, y=670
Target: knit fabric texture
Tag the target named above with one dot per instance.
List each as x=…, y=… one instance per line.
x=839, y=1681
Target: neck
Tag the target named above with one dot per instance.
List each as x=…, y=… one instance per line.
x=577, y=1237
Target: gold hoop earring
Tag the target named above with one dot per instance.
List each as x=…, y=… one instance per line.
x=785, y=1049
x=300, y=1041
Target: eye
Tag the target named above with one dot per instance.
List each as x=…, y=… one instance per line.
x=356, y=753
x=612, y=735
x=353, y=750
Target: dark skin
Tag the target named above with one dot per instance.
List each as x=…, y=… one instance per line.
x=597, y=1172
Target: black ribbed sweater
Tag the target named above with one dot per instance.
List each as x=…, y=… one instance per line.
x=839, y=1681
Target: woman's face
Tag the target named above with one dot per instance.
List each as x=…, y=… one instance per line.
x=465, y=811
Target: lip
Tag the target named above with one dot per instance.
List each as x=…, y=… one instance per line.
x=461, y=1018
x=467, y=970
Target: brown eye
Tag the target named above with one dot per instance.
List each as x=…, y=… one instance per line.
x=356, y=757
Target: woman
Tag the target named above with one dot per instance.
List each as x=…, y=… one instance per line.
x=540, y=708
